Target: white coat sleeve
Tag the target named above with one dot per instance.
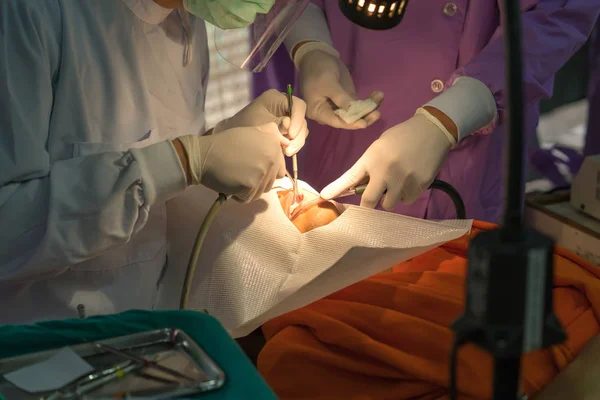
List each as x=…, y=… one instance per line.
x=55, y=213
x=311, y=26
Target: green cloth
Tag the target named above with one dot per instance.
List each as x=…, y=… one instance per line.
x=242, y=381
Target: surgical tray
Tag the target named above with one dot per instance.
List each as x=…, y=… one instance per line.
x=169, y=347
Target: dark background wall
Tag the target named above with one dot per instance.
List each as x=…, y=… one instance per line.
x=571, y=82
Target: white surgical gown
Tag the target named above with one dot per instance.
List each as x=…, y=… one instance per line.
x=82, y=219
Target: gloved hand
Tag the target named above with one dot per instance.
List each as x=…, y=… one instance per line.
x=404, y=161
x=272, y=106
x=407, y=157
x=241, y=162
x=325, y=79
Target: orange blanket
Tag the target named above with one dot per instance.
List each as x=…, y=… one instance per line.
x=387, y=337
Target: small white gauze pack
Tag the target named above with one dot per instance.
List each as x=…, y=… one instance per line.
x=255, y=265
x=356, y=110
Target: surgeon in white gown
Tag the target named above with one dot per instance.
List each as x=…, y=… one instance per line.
x=93, y=94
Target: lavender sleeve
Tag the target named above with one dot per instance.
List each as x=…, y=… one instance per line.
x=552, y=31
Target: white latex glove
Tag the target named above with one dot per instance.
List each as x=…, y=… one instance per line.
x=407, y=157
x=272, y=106
x=404, y=161
x=241, y=162
x=326, y=80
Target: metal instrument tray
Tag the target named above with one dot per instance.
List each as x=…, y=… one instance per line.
x=171, y=348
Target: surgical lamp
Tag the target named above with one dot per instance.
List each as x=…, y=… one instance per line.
x=376, y=15
x=508, y=306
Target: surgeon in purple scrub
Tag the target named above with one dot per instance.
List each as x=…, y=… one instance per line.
x=442, y=71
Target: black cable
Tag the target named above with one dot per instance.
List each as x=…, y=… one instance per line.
x=447, y=188
x=460, y=339
x=437, y=184
x=515, y=147
x=507, y=372
x=453, y=361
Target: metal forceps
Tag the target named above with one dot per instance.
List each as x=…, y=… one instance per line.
x=94, y=380
x=142, y=361
x=294, y=157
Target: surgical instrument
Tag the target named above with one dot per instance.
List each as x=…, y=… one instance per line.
x=360, y=189
x=202, y=232
x=143, y=361
x=305, y=205
x=295, y=188
x=295, y=156
x=95, y=380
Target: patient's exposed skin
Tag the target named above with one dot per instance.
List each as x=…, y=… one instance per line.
x=312, y=218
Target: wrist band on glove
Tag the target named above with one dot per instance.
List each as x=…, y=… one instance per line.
x=436, y=122
x=311, y=46
x=469, y=103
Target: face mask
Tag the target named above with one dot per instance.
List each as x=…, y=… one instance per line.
x=228, y=14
